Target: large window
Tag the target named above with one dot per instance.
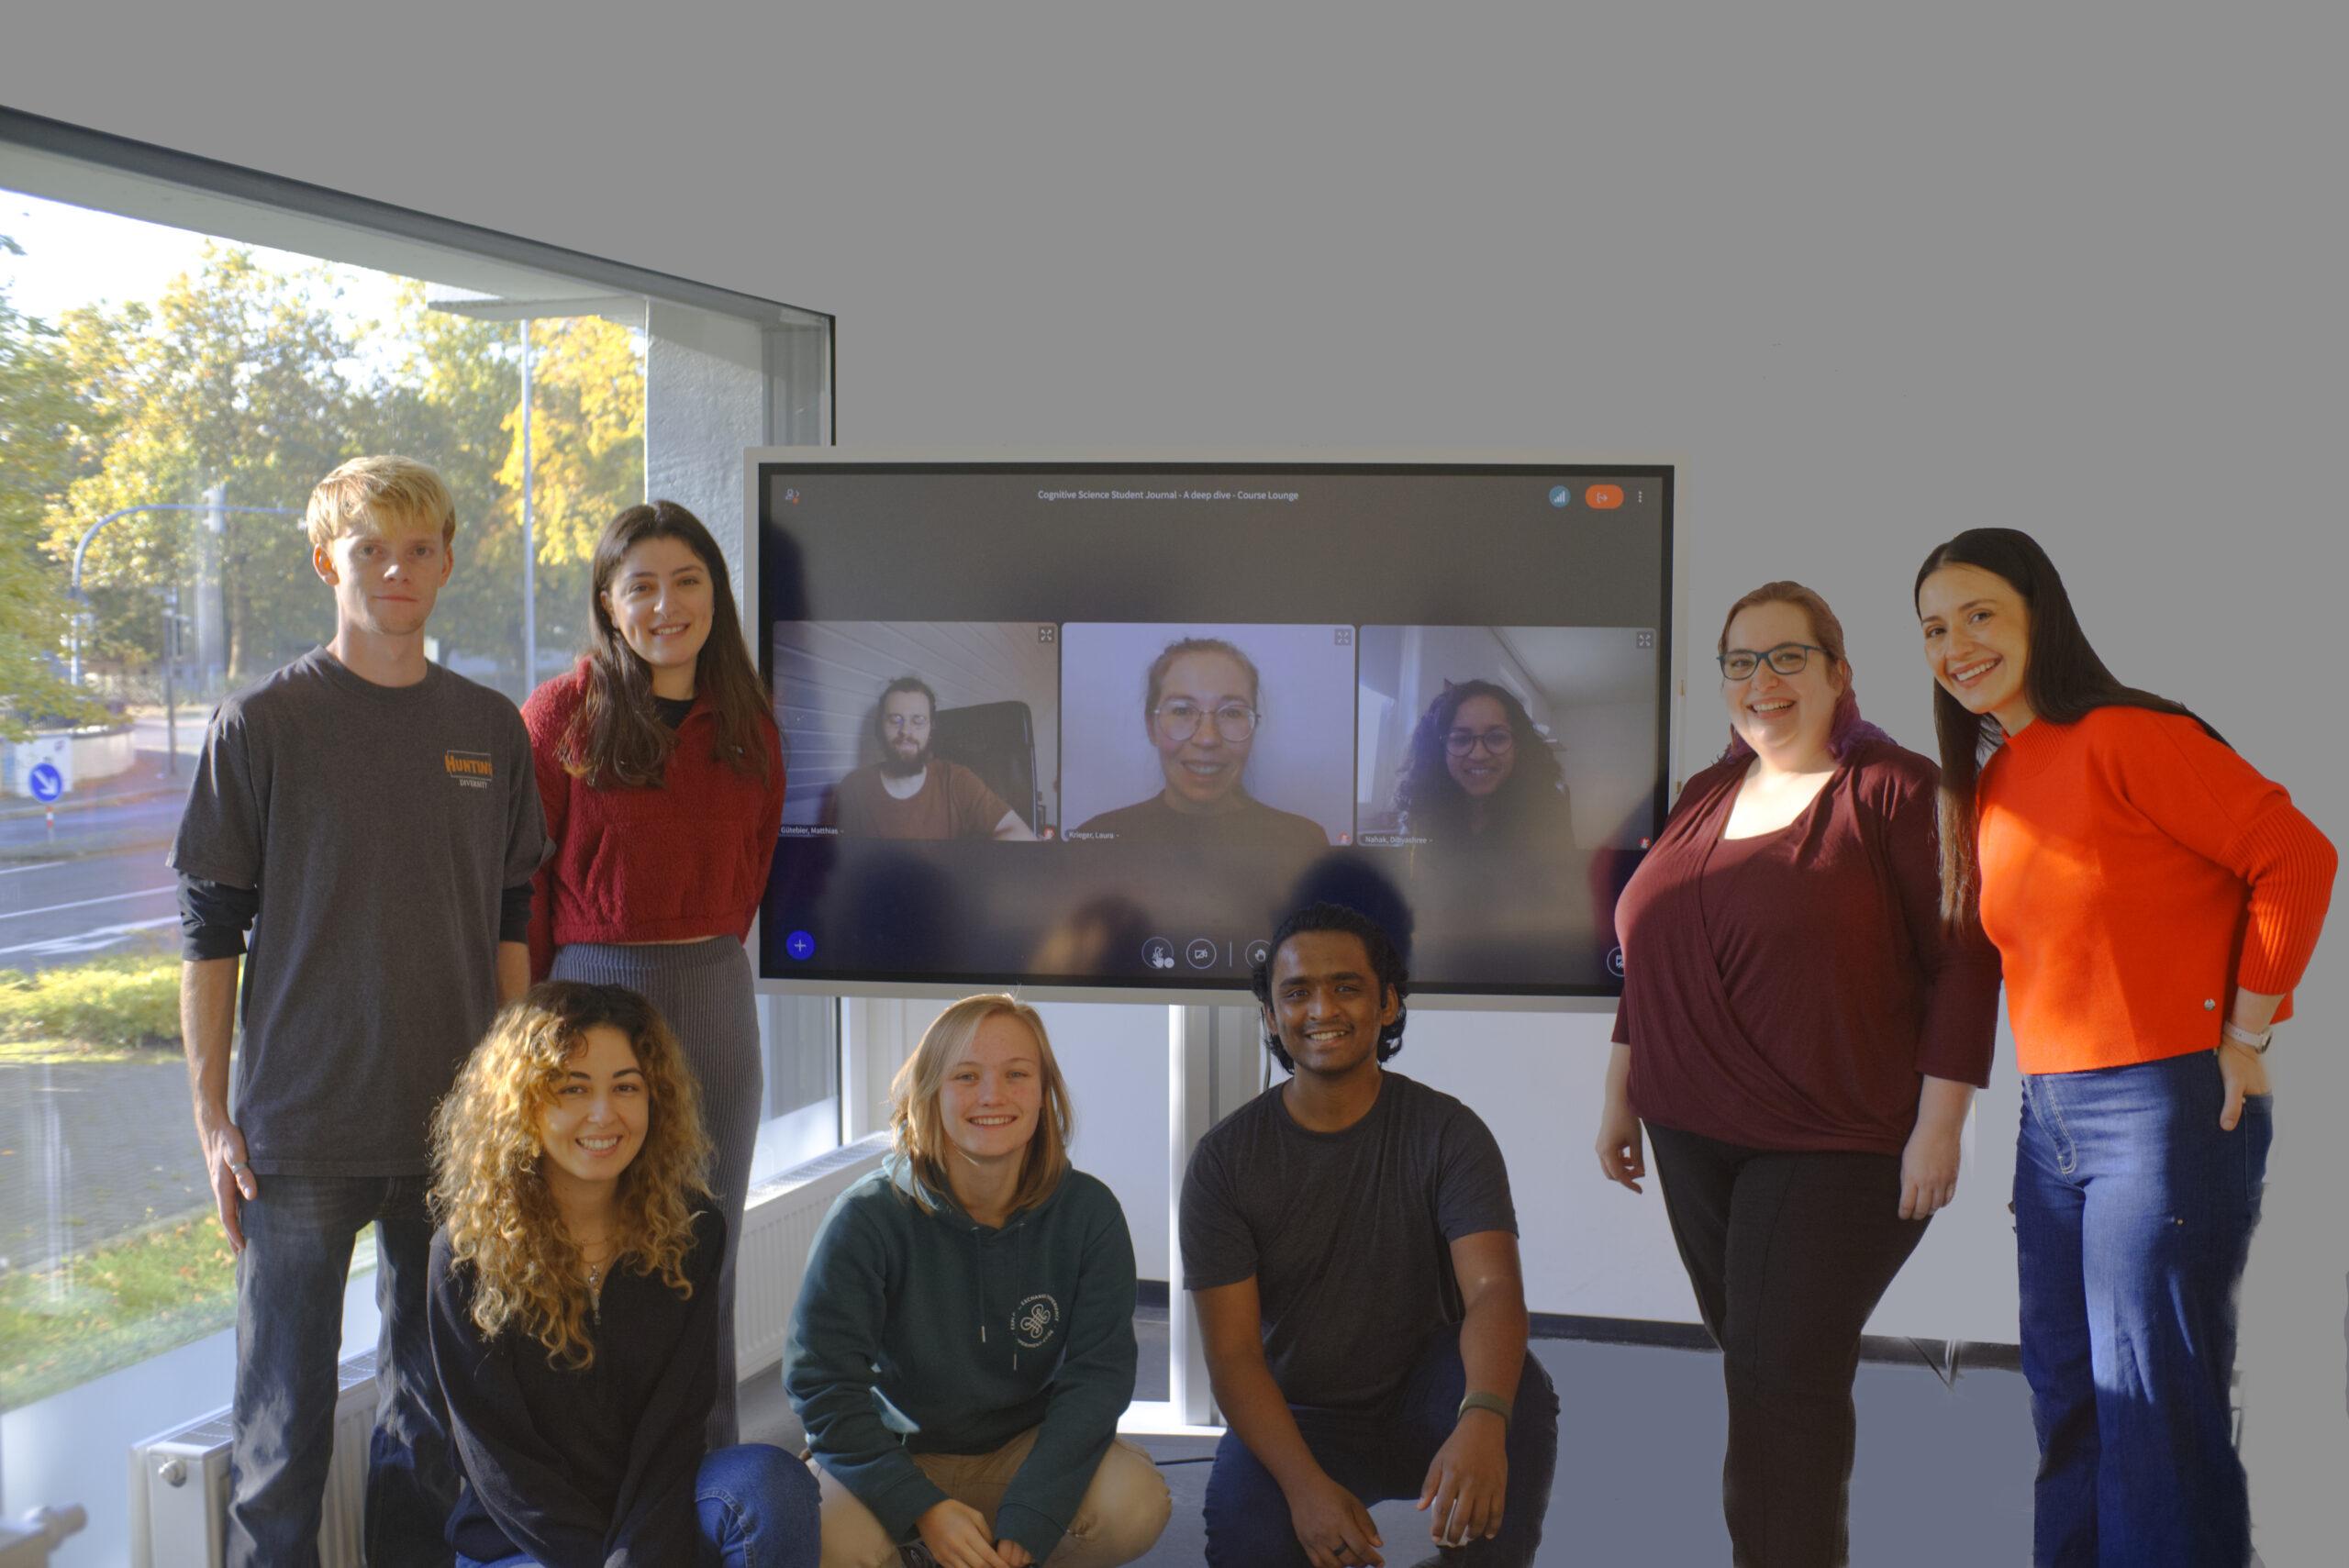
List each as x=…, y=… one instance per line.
x=184, y=350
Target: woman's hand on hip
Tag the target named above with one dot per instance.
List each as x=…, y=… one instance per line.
x=2243, y=1072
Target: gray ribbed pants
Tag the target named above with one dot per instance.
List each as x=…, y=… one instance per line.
x=703, y=989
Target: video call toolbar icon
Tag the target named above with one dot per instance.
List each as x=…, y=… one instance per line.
x=1258, y=951
x=1201, y=953
x=1604, y=497
x=1560, y=495
x=1158, y=953
x=800, y=945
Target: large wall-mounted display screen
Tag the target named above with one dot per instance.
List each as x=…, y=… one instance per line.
x=1099, y=725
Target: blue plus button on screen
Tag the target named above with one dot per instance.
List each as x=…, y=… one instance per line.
x=800, y=945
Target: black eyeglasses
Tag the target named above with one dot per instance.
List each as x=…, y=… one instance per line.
x=1787, y=658
x=1496, y=741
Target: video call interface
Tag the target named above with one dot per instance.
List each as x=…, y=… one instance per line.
x=1103, y=726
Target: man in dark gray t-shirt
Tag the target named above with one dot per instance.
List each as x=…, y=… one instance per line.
x=371, y=819
x=1351, y=1246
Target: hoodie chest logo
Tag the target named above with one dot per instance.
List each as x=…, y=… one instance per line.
x=1034, y=1323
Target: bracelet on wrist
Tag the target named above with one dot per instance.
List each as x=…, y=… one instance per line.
x=1476, y=1401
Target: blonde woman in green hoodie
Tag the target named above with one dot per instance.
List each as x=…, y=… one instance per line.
x=964, y=1344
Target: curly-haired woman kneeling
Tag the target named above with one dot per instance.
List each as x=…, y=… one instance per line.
x=575, y=1304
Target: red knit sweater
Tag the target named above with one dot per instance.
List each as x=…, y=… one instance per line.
x=687, y=858
x=2134, y=873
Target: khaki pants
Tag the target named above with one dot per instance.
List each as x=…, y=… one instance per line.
x=1117, y=1519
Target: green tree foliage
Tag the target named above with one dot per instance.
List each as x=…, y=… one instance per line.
x=262, y=380
x=45, y=435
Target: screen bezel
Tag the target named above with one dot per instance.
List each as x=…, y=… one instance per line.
x=751, y=593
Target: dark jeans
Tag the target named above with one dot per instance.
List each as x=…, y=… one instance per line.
x=758, y=1509
x=1386, y=1454
x=2133, y=1214
x=298, y=1237
x=1788, y=1252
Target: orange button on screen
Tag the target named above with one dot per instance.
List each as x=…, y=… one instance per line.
x=1604, y=496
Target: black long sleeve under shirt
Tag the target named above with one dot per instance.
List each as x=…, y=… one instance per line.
x=591, y=1469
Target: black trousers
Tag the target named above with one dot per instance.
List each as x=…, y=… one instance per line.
x=1789, y=1253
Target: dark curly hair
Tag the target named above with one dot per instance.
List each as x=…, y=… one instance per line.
x=1430, y=801
x=1386, y=963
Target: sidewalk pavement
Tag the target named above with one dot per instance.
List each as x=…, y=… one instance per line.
x=91, y=1152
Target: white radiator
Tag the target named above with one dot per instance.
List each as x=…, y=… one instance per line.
x=178, y=1483
x=778, y=1233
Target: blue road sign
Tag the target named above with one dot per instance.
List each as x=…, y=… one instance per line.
x=46, y=783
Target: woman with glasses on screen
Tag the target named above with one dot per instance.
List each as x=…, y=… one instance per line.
x=2155, y=900
x=1202, y=706
x=1801, y=1036
x=963, y=1342
x=661, y=773
x=574, y=1306
x=1479, y=771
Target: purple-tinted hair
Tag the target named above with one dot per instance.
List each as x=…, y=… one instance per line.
x=1847, y=729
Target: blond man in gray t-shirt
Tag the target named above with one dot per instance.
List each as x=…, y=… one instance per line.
x=371, y=819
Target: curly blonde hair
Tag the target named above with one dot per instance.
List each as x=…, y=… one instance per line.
x=489, y=1191
x=917, y=1131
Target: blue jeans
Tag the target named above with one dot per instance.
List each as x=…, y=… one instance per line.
x=2133, y=1214
x=1384, y=1454
x=298, y=1237
x=758, y=1509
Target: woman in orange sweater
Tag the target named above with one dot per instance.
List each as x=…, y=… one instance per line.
x=2154, y=899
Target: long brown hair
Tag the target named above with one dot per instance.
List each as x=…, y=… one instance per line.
x=617, y=736
x=489, y=1190
x=2063, y=680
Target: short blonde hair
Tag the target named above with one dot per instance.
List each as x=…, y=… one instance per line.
x=358, y=495
x=919, y=1132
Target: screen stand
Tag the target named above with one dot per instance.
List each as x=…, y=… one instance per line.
x=1214, y=1059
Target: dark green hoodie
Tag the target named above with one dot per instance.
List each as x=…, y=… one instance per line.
x=921, y=1332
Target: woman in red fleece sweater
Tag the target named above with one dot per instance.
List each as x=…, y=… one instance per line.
x=2154, y=899
x=661, y=773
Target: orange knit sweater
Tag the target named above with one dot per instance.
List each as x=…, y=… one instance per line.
x=2134, y=873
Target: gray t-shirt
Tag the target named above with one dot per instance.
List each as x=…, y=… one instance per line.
x=379, y=826
x=1347, y=1233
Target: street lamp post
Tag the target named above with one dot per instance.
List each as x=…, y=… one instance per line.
x=171, y=606
x=529, y=534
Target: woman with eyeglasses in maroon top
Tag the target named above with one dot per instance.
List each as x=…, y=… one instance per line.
x=1799, y=1038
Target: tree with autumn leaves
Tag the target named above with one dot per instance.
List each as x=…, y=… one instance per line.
x=257, y=379
x=46, y=434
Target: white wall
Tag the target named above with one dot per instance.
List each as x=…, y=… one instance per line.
x=1870, y=278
